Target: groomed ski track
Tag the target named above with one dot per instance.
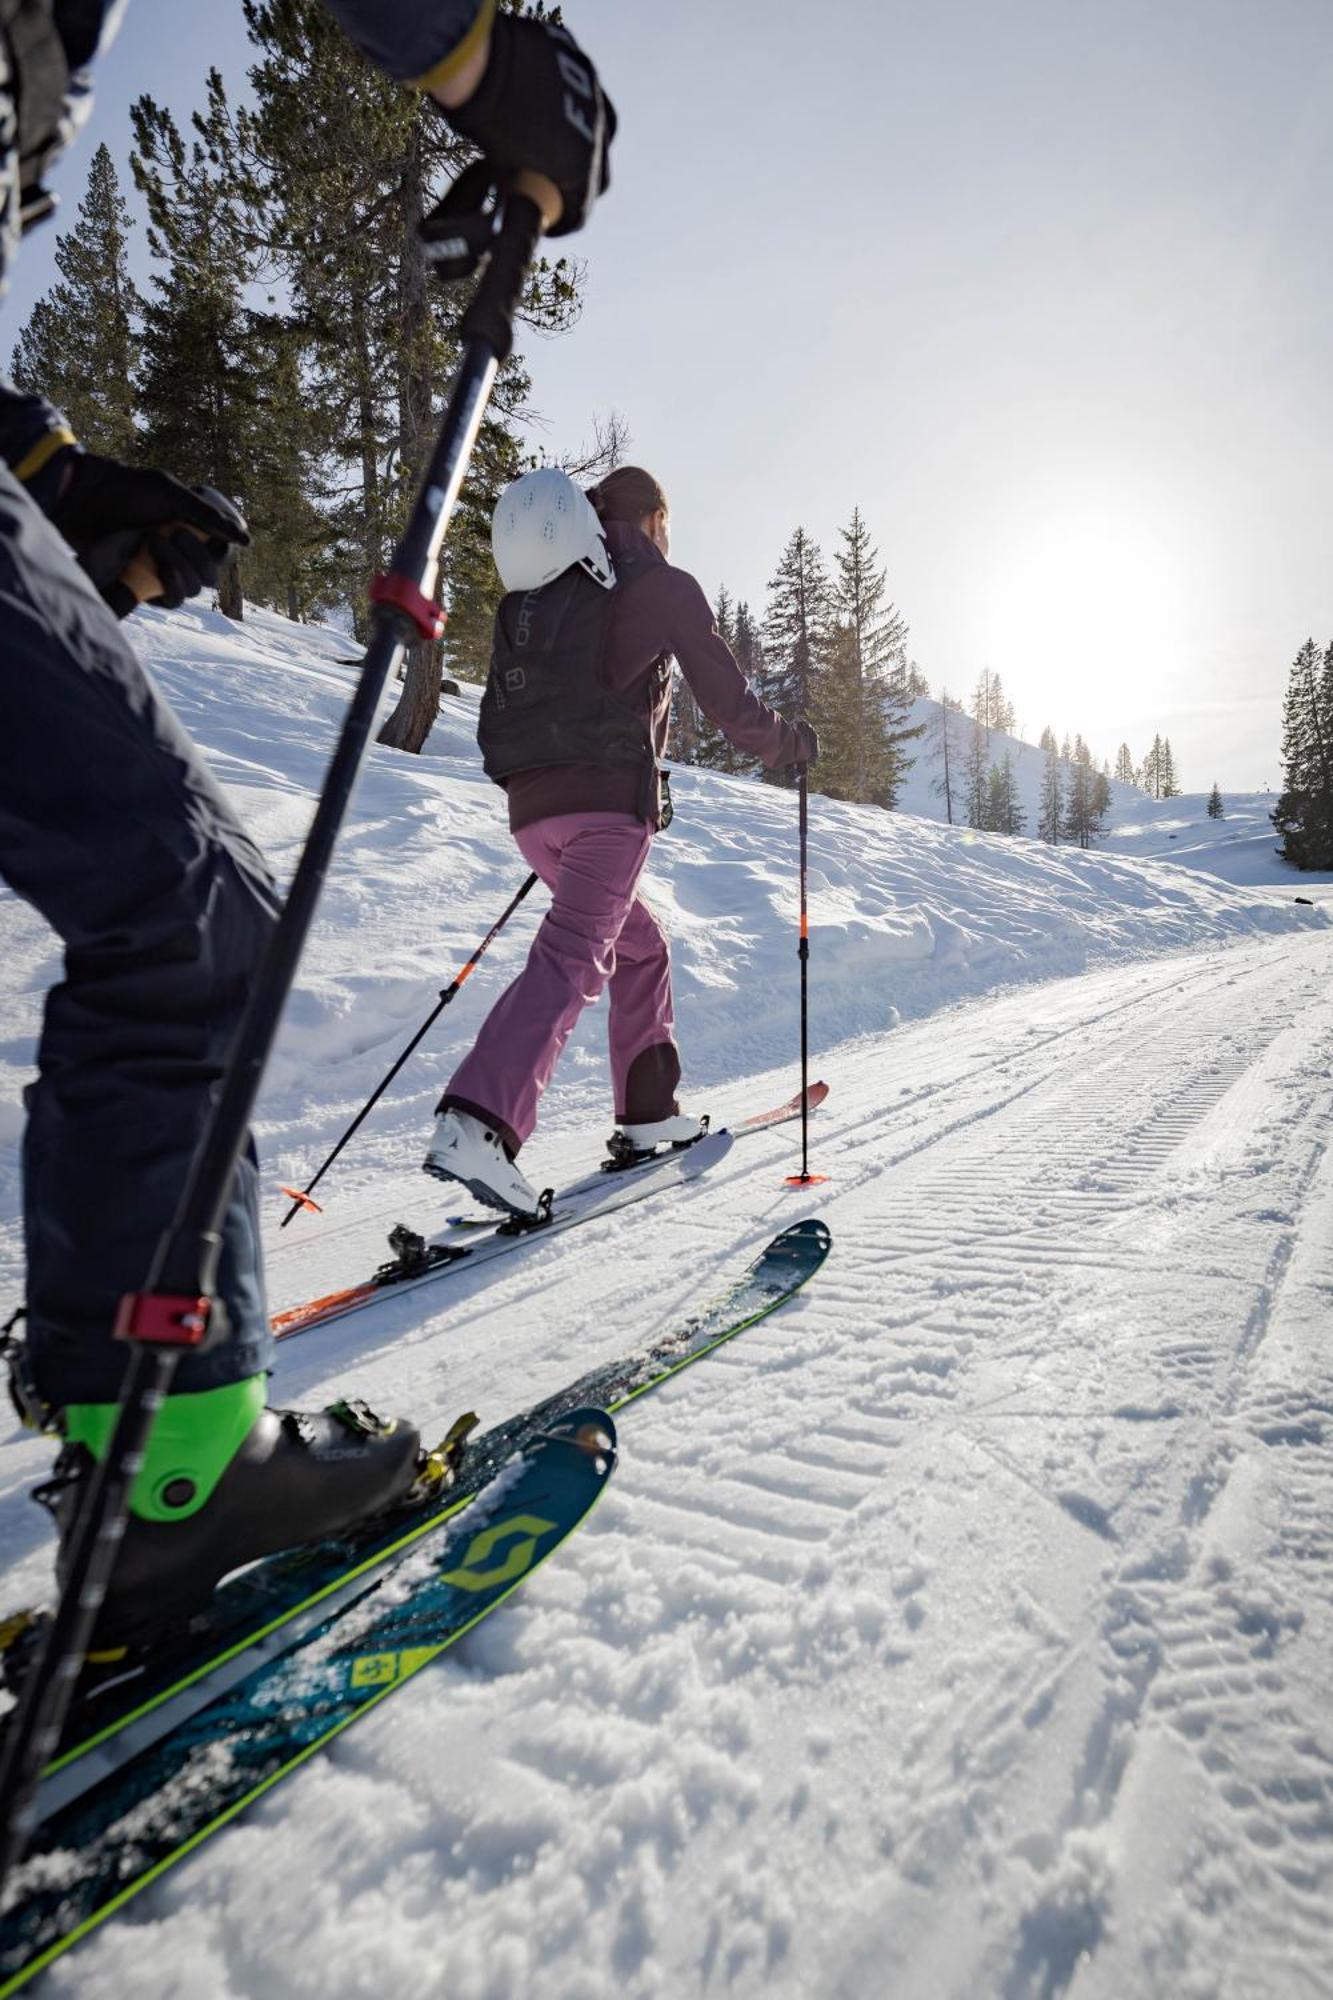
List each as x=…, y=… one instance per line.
x=963, y=1631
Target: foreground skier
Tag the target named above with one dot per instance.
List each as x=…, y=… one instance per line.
x=573, y=723
x=112, y=828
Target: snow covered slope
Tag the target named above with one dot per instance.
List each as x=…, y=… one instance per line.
x=1241, y=847
x=964, y=1630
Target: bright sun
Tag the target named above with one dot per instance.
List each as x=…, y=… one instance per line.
x=1085, y=618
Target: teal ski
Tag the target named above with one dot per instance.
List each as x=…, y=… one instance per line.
x=98, y=1853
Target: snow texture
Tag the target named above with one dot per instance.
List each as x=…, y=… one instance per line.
x=964, y=1629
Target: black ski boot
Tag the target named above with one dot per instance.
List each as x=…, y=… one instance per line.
x=296, y=1477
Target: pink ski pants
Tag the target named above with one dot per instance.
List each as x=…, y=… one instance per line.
x=596, y=933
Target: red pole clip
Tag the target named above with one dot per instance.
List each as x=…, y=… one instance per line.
x=404, y=596
x=163, y=1320
x=303, y=1200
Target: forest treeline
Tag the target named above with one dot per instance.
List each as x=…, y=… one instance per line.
x=290, y=349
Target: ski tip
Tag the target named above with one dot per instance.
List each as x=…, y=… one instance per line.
x=701, y=1153
x=590, y=1431
x=810, y=1240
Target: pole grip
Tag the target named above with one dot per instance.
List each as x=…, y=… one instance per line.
x=490, y=317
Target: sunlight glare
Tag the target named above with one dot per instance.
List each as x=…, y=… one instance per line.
x=1086, y=618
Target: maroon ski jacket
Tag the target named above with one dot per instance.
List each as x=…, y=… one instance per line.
x=661, y=613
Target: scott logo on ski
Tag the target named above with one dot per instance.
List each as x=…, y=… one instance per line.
x=521, y=1556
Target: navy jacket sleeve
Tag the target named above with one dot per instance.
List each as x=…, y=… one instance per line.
x=33, y=435
x=415, y=41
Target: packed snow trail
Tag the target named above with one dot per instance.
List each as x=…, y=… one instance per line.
x=962, y=1631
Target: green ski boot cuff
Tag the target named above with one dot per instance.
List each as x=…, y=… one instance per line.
x=193, y=1441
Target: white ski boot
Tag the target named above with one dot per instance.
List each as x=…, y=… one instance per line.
x=463, y=1149
x=631, y=1145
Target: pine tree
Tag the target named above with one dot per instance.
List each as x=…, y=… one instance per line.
x=1004, y=811
x=1086, y=800
x=1216, y=810
x=1101, y=802
x=945, y=750
x=1170, y=783
x=875, y=697
x=333, y=166
x=288, y=564
x=200, y=382
x=1150, y=776
x=976, y=790
x=1124, y=765
x=80, y=346
x=842, y=718
x=748, y=647
x=798, y=636
x=1304, y=812
x=990, y=708
x=1050, y=820
x=982, y=704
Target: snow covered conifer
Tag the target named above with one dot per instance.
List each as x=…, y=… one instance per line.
x=1004, y=812
x=1216, y=810
x=872, y=657
x=976, y=790
x=198, y=385
x=1086, y=800
x=798, y=632
x=1101, y=802
x=1150, y=777
x=947, y=751
x=990, y=709
x=1050, y=818
x=1170, y=782
x=1124, y=765
x=79, y=346
x=1304, y=812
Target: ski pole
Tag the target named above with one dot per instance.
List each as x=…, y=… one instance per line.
x=301, y=1197
x=805, y=1178
x=174, y=1310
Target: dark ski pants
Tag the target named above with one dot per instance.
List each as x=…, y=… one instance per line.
x=113, y=830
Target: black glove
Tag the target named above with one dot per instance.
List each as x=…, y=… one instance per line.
x=109, y=512
x=540, y=106
x=807, y=741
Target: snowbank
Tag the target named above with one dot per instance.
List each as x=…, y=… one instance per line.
x=908, y=915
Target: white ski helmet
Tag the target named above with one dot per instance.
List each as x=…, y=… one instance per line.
x=542, y=526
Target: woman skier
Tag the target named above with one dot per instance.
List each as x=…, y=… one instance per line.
x=573, y=722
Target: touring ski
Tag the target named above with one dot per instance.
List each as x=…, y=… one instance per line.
x=278, y=1604
x=417, y=1260
x=108, y=1843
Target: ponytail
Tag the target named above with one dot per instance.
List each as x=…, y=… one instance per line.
x=627, y=494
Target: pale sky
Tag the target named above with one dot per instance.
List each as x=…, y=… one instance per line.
x=1043, y=286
